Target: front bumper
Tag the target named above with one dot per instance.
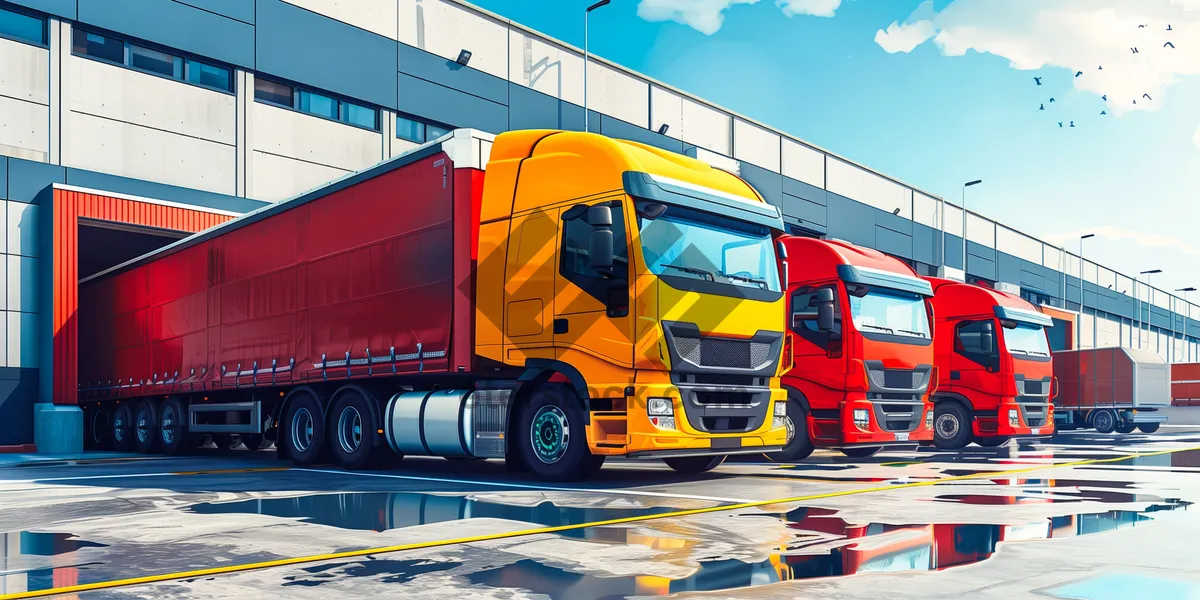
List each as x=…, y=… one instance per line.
x=889, y=423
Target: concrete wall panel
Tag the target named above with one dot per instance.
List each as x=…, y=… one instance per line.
x=431, y=67
x=279, y=178
x=803, y=163
x=24, y=72
x=129, y=96
x=706, y=127
x=21, y=233
x=22, y=284
x=175, y=25
x=296, y=135
x=458, y=109
x=445, y=28
x=616, y=94
x=24, y=129
x=756, y=145
x=666, y=108
x=545, y=67
x=376, y=16
x=108, y=146
x=22, y=340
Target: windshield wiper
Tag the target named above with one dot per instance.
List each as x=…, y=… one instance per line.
x=913, y=333
x=1020, y=351
x=877, y=327
x=694, y=271
x=761, y=282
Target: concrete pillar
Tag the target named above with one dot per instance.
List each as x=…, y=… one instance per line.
x=57, y=429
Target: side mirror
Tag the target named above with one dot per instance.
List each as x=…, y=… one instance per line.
x=600, y=242
x=825, y=310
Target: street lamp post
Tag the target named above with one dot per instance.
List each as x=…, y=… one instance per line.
x=964, y=225
x=587, y=13
x=1079, y=329
x=1187, y=306
x=1149, y=302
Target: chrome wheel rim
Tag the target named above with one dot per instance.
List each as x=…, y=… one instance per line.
x=119, y=426
x=302, y=430
x=142, y=425
x=550, y=434
x=1104, y=421
x=169, y=425
x=350, y=430
x=946, y=426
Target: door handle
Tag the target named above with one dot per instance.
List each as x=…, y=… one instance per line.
x=955, y=375
x=561, y=326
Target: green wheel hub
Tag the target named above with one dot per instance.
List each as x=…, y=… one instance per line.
x=550, y=434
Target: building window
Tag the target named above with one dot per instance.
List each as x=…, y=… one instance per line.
x=23, y=27
x=418, y=131
x=315, y=103
x=148, y=60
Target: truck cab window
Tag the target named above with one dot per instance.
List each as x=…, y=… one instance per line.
x=970, y=341
x=803, y=318
x=610, y=288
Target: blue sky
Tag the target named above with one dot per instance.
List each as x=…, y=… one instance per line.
x=938, y=93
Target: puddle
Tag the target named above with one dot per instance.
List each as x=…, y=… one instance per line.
x=23, y=561
x=380, y=511
x=1119, y=586
x=1048, y=496
x=393, y=571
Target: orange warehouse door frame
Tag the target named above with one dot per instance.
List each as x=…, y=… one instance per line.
x=58, y=245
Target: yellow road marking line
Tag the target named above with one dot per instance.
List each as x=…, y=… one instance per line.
x=298, y=560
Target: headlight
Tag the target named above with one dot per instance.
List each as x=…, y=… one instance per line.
x=861, y=418
x=1013, y=418
x=660, y=407
x=787, y=424
x=663, y=422
x=929, y=419
x=780, y=409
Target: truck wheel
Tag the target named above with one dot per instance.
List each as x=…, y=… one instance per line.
x=122, y=428
x=172, y=427
x=305, y=430
x=1105, y=421
x=1126, y=428
x=351, y=430
x=993, y=441
x=951, y=426
x=145, y=426
x=801, y=446
x=1148, y=427
x=551, y=437
x=694, y=464
x=861, y=452
x=99, y=429
x=255, y=441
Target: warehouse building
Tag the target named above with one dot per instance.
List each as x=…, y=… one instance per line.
x=127, y=125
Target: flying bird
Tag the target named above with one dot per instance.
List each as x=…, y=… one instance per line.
x=1037, y=80
x=1078, y=73
x=1100, y=68
x=1052, y=100
x=1104, y=97
x=1103, y=113
x=1134, y=50
x=1147, y=96
x=1169, y=27
x=1041, y=107
x=1141, y=26
x=1072, y=123
x=1168, y=44
x=1060, y=123
x=1135, y=101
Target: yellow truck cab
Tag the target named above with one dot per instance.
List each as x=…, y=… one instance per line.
x=646, y=285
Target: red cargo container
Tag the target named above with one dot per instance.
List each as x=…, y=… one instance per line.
x=1110, y=389
x=1185, y=384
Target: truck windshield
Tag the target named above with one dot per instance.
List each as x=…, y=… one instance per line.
x=881, y=310
x=697, y=250
x=1026, y=340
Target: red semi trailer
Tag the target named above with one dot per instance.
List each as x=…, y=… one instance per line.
x=551, y=298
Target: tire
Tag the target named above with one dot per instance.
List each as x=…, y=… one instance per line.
x=145, y=426
x=692, y=465
x=1148, y=427
x=122, y=427
x=801, y=446
x=98, y=429
x=861, y=451
x=1124, y=428
x=351, y=436
x=172, y=427
x=304, y=429
x=255, y=441
x=551, y=436
x=951, y=425
x=225, y=441
x=1105, y=421
x=994, y=441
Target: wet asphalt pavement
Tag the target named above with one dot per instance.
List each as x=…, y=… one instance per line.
x=1087, y=516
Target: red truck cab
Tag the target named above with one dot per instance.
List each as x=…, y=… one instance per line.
x=858, y=383
x=996, y=375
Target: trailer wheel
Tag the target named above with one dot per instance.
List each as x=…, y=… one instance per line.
x=801, y=446
x=951, y=425
x=172, y=427
x=1148, y=427
x=122, y=427
x=993, y=441
x=694, y=464
x=551, y=436
x=352, y=430
x=305, y=433
x=1105, y=421
x=1124, y=428
x=145, y=426
x=861, y=452
x=98, y=429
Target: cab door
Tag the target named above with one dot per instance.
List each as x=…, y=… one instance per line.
x=591, y=307
x=976, y=355
x=529, y=285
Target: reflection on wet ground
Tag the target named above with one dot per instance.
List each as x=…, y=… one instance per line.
x=380, y=511
x=20, y=571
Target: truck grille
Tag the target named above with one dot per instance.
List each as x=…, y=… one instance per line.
x=1032, y=390
x=1034, y=415
x=727, y=424
x=898, y=379
x=898, y=416
x=717, y=399
x=723, y=353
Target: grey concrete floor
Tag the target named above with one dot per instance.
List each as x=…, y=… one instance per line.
x=1087, y=516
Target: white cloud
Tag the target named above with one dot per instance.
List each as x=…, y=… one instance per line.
x=816, y=8
x=1146, y=240
x=1077, y=35
x=707, y=16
